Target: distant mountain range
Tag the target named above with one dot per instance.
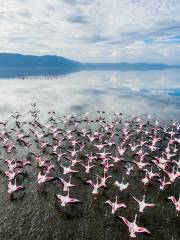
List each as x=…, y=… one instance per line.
x=12, y=60
x=24, y=65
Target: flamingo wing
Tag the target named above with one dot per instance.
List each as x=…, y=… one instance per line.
x=125, y=221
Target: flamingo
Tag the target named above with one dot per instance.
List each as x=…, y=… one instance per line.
x=163, y=183
x=67, y=185
x=176, y=202
x=14, y=187
x=122, y=186
x=67, y=170
x=43, y=178
x=115, y=205
x=133, y=227
x=87, y=167
x=95, y=186
x=142, y=204
x=12, y=174
x=66, y=199
x=104, y=179
x=129, y=169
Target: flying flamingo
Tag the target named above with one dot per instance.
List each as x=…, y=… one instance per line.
x=133, y=227
x=121, y=150
x=9, y=147
x=122, y=186
x=67, y=185
x=67, y=170
x=43, y=178
x=115, y=205
x=145, y=180
x=14, y=188
x=12, y=164
x=95, y=186
x=142, y=204
x=163, y=183
x=66, y=199
x=151, y=174
x=104, y=179
x=116, y=158
x=12, y=174
x=87, y=167
x=129, y=169
x=176, y=202
x=172, y=175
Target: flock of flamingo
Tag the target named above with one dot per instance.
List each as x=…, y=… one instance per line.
x=68, y=145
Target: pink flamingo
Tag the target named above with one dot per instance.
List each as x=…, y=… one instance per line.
x=99, y=146
x=87, y=167
x=14, y=188
x=9, y=147
x=12, y=174
x=91, y=157
x=43, y=178
x=176, y=202
x=91, y=137
x=121, y=150
x=103, y=179
x=66, y=199
x=48, y=166
x=133, y=227
x=172, y=175
x=95, y=186
x=103, y=154
x=115, y=205
x=116, y=158
x=12, y=164
x=106, y=164
x=151, y=174
x=73, y=161
x=73, y=152
x=141, y=164
x=177, y=162
x=163, y=183
x=152, y=147
x=67, y=170
x=142, y=204
x=134, y=146
x=67, y=185
x=42, y=162
x=145, y=180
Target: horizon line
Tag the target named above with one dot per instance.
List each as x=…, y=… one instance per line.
x=60, y=56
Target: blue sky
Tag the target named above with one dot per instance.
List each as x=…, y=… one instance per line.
x=93, y=30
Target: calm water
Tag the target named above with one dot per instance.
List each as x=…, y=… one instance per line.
x=139, y=93
x=36, y=214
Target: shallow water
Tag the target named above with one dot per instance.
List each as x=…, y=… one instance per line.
x=137, y=93
x=37, y=214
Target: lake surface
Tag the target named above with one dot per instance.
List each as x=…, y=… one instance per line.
x=36, y=212
x=134, y=92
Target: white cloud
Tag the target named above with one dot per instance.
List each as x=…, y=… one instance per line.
x=96, y=30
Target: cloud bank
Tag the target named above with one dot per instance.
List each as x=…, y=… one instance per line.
x=93, y=30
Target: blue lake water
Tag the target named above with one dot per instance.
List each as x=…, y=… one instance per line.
x=132, y=92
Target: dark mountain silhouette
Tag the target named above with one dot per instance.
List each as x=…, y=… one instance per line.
x=126, y=66
x=24, y=61
x=17, y=65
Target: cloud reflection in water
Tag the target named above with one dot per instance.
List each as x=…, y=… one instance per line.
x=154, y=92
